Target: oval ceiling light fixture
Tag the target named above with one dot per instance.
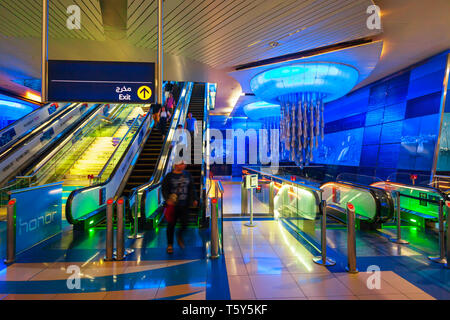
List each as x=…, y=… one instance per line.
x=301, y=89
x=261, y=109
x=333, y=80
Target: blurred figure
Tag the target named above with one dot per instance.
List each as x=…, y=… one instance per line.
x=156, y=107
x=170, y=103
x=163, y=118
x=179, y=192
x=191, y=125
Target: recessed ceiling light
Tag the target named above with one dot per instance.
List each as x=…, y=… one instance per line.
x=274, y=44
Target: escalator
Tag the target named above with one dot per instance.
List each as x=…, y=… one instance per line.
x=137, y=165
x=196, y=107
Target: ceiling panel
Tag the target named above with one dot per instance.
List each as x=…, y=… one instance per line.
x=22, y=19
x=227, y=33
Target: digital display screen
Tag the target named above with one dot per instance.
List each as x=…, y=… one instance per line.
x=340, y=148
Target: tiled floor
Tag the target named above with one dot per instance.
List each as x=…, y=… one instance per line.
x=267, y=262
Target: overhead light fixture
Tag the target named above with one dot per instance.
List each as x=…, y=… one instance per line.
x=31, y=96
x=252, y=44
x=274, y=44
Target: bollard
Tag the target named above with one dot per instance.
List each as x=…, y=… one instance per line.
x=120, y=230
x=323, y=259
x=351, y=239
x=244, y=197
x=447, y=265
x=214, y=230
x=251, y=224
x=441, y=258
x=109, y=230
x=11, y=232
x=399, y=239
x=271, y=198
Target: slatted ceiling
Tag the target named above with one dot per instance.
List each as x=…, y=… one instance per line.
x=219, y=32
x=22, y=19
x=307, y=39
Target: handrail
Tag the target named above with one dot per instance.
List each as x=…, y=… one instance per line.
x=284, y=180
x=415, y=187
x=220, y=187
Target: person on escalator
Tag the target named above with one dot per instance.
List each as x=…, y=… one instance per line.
x=156, y=107
x=170, y=103
x=163, y=118
x=178, y=191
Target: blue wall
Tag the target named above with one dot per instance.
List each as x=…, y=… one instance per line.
x=12, y=109
x=389, y=126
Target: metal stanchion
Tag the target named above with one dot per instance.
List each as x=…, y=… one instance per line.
x=214, y=230
x=251, y=224
x=121, y=252
x=136, y=234
x=441, y=258
x=109, y=230
x=323, y=259
x=271, y=198
x=447, y=265
x=399, y=239
x=244, y=197
x=351, y=239
x=11, y=232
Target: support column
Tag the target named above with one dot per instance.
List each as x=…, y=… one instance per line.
x=44, y=52
x=159, y=60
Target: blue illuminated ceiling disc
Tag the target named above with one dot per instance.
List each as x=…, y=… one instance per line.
x=259, y=110
x=333, y=80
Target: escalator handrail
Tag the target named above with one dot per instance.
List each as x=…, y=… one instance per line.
x=103, y=184
x=7, y=149
x=371, y=190
x=439, y=192
x=156, y=179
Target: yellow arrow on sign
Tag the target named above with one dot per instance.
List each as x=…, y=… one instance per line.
x=144, y=93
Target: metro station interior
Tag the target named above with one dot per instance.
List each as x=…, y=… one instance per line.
x=299, y=148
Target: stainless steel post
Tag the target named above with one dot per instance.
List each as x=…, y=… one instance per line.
x=244, y=197
x=441, y=258
x=271, y=198
x=399, y=239
x=251, y=224
x=120, y=241
x=109, y=230
x=159, y=79
x=44, y=52
x=214, y=230
x=323, y=259
x=11, y=232
x=447, y=265
x=351, y=239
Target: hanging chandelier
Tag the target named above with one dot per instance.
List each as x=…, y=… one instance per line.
x=301, y=91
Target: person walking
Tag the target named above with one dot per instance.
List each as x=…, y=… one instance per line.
x=178, y=191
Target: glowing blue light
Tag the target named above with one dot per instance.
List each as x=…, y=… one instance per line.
x=13, y=110
x=261, y=109
x=331, y=79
